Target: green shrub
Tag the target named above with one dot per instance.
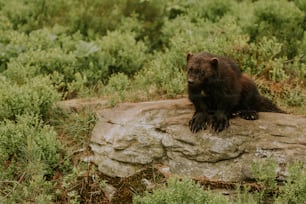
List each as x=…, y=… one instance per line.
x=27, y=147
x=76, y=126
x=294, y=190
x=211, y=10
x=116, y=52
x=183, y=34
x=38, y=53
x=36, y=96
x=179, y=191
x=163, y=75
x=42, y=62
x=11, y=44
x=35, y=190
x=265, y=172
x=28, y=153
x=96, y=16
x=260, y=58
x=282, y=19
x=117, y=88
x=76, y=62
x=122, y=53
x=77, y=87
x=32, y=14
x=301, y=5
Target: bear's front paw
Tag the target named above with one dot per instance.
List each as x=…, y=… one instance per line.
x=198, y=122
x=249, y=115
x=219, y=122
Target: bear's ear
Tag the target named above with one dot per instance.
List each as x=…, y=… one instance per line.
x=189, y=56
x=214, y=62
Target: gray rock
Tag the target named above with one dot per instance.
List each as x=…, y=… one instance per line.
x=131, y=136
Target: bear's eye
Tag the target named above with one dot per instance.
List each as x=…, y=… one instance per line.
x=196, y=71
x=192, y=70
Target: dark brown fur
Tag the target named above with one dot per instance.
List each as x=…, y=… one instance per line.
x=219, y=90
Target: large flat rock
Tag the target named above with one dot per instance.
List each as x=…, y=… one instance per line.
x=131, y=136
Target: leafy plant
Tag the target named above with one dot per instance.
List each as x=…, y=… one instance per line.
x=29, y=153
x=265, y=171
x=294, y=190
x=179, y=191
x=282, y=19
x=164, y=73
x=117, y=88
x=122, y=53
x=74, y=125
x=34, y=97
x=35, y=190
x=27, y=142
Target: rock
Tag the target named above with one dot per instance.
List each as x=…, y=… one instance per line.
x=131, y=136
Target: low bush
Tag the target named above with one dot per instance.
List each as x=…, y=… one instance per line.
x=120, y=52
x=164, y=75
x=180, y=191
x=294, y=190
x=282, y=19
x=27, y=142
x=29, y=152
x=36, y=97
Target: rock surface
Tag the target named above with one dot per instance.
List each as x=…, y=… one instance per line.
x=132, y=136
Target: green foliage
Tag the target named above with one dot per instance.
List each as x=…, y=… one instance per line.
x=79, y=178
x=294, y=191
x=77, y=126
x=122, y=53
x=39, y=53
x=245, y=197
x=180, y=191
x=294, y=96
x=29, y=146
x=210, y=10
x=35, y=190
x=90, y=17
x=34, y=97
x=291, y=191
x=84, y=46
x=117, y=88
x=163, y=74
x=78, y=188
x=282, y=19
x=28, y=152
x=265, y=173
x=77, y=64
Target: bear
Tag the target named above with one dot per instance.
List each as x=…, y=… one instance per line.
x=219, y=91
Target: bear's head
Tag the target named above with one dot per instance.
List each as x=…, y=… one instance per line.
x=201, y=69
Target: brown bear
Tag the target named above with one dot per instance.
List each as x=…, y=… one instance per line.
x=219, y=90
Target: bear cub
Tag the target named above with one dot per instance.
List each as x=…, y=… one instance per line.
x=218, y=91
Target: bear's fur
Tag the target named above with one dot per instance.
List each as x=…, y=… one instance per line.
x=219, y=90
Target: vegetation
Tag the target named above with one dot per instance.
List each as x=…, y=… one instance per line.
x=186, y=190
x=130, y=50
x=180, y=191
